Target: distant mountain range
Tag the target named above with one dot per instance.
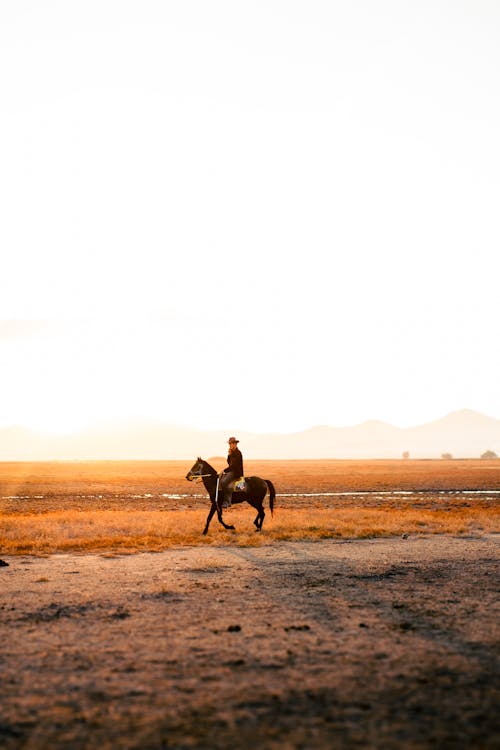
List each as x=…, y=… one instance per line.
x=463, y=434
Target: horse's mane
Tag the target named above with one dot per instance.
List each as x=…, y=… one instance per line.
x=209, y=466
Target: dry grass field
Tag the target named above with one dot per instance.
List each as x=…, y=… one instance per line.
x=365, y=615
x=137, y=506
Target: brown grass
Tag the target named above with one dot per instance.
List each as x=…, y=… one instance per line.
x=133, y=531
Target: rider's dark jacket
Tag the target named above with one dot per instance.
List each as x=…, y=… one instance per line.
x=235, y=463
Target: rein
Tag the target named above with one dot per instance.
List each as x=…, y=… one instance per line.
x=200, y=476
x=196, y=477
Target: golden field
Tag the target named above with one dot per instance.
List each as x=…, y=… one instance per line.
x=149, y=506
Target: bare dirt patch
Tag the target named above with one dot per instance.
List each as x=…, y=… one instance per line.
x=384, y=643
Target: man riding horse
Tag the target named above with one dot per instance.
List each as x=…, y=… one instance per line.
x=232, y=472
x=253, y=491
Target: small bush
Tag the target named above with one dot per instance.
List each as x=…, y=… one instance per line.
x=489, y=454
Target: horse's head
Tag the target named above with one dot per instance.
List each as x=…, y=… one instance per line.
x=197, y=470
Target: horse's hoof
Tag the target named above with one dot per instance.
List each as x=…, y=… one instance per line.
x=232, y=528
x=204, y=533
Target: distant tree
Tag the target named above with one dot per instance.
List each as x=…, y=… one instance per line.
x=406, y=454
x=446, y=456
x=489, y=454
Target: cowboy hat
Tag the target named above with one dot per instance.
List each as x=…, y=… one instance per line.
x=233, y=440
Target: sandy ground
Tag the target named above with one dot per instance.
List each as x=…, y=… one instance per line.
x=387, y=643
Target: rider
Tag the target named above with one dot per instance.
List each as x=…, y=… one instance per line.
x=232, y=472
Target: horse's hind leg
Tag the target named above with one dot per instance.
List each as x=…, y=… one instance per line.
x=259, y=520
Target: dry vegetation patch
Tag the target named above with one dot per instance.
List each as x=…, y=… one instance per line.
x=148, y=505
x=156, y=530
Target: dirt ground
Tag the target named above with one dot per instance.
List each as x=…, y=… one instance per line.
x=386, y=643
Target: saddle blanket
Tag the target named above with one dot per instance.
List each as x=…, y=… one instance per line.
x=240, y=485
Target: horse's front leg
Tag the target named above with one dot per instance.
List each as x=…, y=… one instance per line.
x=211, y=512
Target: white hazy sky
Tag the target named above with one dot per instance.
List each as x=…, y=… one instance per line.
x=250, y=215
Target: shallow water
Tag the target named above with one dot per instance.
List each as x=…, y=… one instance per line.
x=189, y=496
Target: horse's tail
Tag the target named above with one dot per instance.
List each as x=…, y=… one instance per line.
x=272, y=494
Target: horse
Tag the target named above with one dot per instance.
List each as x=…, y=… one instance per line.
x=256, y=489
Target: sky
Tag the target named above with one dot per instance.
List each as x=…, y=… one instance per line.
x=254, y=216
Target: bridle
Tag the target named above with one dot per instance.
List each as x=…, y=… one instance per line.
x=196, y=477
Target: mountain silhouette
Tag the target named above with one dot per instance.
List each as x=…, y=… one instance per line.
x=463, y=434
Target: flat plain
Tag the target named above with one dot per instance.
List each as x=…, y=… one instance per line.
x=379, y=631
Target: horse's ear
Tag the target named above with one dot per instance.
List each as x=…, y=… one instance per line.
x=199, y=458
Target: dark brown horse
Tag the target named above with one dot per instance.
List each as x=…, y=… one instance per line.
x=256, y=489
